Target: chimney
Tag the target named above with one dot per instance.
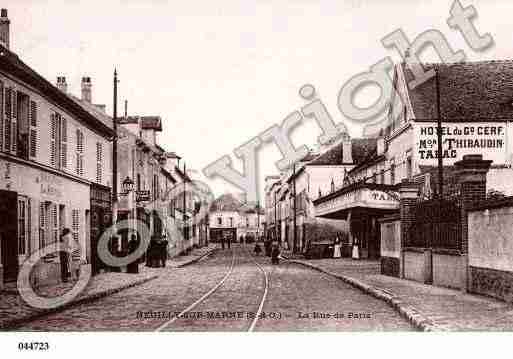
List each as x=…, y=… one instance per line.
x=86, y=89
x=4, y=28
x=347, y=149
x=61, y=84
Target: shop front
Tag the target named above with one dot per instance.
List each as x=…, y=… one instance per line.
x=361, y=205
x=34, y=208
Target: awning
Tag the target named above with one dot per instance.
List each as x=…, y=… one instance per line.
x=374, y=197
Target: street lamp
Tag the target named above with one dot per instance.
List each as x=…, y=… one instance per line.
x=127, y=185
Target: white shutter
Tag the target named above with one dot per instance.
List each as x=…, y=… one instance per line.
x=53, y=140
x=42, y=225
x=79, y=153
x=7, y=119
x=33, y=130
x=1, y=116
x=14, y=122
x=99, y=159
x=64, y=143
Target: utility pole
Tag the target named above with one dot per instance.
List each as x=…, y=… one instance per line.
x=115, y=153
x=295, y=209
x=440, y=161
x=275, y=217
x=184, y=203
x=439, y=138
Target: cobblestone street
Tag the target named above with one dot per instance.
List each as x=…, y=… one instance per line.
x=298, y=299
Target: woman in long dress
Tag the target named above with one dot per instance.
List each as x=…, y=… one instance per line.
x=336, y=248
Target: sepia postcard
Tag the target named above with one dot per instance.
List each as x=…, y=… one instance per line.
x=277, y=166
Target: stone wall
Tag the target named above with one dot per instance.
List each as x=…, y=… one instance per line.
x=490, y=253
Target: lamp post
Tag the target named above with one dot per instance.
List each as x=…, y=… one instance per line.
x=128, y=190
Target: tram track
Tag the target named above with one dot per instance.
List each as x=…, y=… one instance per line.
x=232, y=296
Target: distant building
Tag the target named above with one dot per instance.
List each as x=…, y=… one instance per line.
x=231, y=219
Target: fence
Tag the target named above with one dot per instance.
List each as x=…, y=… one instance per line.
x=437, y=225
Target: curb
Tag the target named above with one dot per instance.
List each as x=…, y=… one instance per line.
x=415, y=317
x=192, y=261
x=12, y=324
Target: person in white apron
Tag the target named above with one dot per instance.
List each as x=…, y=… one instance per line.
x=337, y=248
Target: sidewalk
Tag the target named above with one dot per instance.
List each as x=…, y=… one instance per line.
x=14, y=311
x=428, y=307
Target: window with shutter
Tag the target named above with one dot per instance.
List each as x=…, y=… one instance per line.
x=79, y=153
x=1, y=116
x=75, y=227
x=53, y=139
x=42, y=225
x=99, y=159
x=64, y=143
x=55, y=223
x=14, y=122
x=7, y=119
x=33, y=129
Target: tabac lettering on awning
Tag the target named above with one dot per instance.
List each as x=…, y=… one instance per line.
x=362, y=197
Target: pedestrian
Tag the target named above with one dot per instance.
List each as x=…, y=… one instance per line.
x=222, y=241
x=163, y=254
x=257, y=249
x=133, y=244
x=267, y=247
x=64, y=254
x=275, y=253
x=336, y=248
x=229, y=239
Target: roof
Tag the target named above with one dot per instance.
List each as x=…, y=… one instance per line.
x=182, y=175
x=94, y=111
x=226, y=202
x=361, y=148
x=11, y=63
x=167, y=174
x=469, y=91
x=151, y=123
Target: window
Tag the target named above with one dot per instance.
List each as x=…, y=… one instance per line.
x=99, y=160
x=9, y=125
x=231, y=221
x=33, y=130
x=23, y=225
x=79, y=152
x=220, y=221
x=332, y=185
x=409, y=168
x=58, y=141
x=42, y=225
x=247, y=221
x=138, y=182
x=382, y=176
x=392, y=172
x=22, y=109
x=75, y=224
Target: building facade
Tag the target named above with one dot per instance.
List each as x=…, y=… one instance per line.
x=50, y=146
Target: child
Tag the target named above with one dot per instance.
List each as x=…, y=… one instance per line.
x=275, y=253
x=257, y=249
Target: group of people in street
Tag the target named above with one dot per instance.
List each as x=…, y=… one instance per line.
x=272, y=249
x=155, y=256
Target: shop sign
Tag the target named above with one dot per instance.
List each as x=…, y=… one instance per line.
x=363, y=197
x=459, y=139
x=142, y=196
x=50, y=185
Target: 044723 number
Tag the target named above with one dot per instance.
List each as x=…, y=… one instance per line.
x=33, y=346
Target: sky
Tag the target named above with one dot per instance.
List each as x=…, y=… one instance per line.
x=221, y=72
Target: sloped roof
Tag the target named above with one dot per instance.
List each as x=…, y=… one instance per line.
x=12, y=64
x=361, y=148
x=94, y=111
x=182, y=175
x=469, y=91
x=226, y=202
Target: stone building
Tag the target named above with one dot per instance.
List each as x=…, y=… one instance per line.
x=51, y=145
x=476, y=119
